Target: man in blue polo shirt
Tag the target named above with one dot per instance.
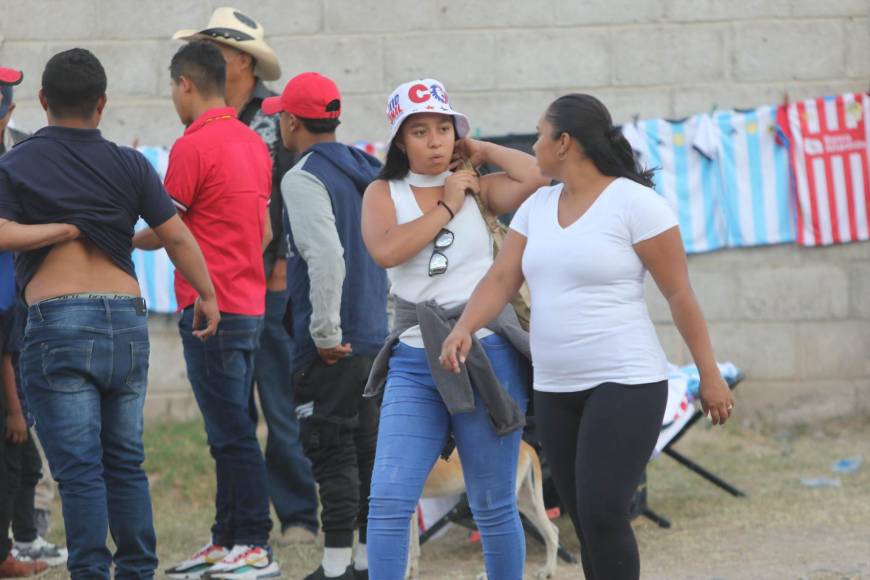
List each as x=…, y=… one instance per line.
x=68, y=202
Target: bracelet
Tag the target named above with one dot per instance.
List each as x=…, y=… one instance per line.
x=447, y=207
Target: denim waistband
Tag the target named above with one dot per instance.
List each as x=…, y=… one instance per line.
x=90, y=301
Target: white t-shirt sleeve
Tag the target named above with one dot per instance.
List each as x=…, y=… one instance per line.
x=520, y=221
x=649, y=215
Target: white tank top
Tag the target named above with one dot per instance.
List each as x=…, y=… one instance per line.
x=468, y=259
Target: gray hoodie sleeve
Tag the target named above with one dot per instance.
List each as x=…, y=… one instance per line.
x=312, y=222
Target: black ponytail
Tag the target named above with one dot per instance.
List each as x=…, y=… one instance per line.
x=588, y=121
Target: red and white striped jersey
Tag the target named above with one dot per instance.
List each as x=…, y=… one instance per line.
x=830, y=163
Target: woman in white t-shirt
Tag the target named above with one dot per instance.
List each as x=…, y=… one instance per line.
x=584, y=247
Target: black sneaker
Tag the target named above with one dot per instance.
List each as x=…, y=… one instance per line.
x=319, y=574
x=360, y=574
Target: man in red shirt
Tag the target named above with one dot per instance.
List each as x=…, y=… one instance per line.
x=220, y=177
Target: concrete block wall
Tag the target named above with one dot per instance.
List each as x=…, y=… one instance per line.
x=796, y=320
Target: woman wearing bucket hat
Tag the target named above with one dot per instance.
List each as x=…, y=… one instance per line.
x=419, y=224
x=584, y=247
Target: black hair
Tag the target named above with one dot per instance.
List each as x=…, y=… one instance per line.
x=588, y=121
x=320, y=126
x=396, y=164
x=73, y=82
x=202, y=64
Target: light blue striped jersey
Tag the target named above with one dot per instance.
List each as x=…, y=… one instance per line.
x=753, y=164
x=684, y=155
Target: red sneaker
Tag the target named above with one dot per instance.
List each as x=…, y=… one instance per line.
x=12, y=568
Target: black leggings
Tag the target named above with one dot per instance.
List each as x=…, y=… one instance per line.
x=598, y=443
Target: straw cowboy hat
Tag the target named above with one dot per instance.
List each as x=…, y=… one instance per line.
x=233, y=28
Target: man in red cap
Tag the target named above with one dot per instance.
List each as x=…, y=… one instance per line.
x=338, y=302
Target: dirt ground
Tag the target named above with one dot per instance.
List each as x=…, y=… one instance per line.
x=782, y=530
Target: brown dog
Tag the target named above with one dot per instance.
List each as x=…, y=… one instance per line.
x=446, y=480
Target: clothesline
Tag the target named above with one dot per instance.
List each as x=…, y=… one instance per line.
x=797, y=172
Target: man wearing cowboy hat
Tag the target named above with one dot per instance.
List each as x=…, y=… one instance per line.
x=249, y=62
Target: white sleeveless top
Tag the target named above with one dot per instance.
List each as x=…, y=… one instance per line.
x=468, y=259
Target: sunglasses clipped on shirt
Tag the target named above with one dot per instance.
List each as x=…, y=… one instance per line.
x=438, y=261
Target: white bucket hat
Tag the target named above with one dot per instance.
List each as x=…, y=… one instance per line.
x=422, y=96
x=233, y=28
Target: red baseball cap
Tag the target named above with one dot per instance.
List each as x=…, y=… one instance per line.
x=10, y=76
x=309, y=95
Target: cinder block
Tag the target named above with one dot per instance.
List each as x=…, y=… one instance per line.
x=834, y=349
x=807, y=292
x=513, y=112
x=666, y=55
x=277, y=17
x=797, y=403
x=858, y=52
x=733, y=259
x=133, y=19
x=788, y=51
x=482, y=14
x=382, y=16
x=859, y=291
x=50, y=20
x=463, y=61
x=829, y=8
x=559, y=58
x=364, y=117
x=692, y=99
x=627, y=104
x=838, y=253
x=606, y=12
x=717, y=293
x=715, y=10
x=131, y=68
x=353, y=62
x=30, y=58
x=151, y=122
x=762, y=350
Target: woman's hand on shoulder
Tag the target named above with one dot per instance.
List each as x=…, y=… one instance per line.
x=470, y=149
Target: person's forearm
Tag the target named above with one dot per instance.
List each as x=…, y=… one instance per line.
x=487, y=301
x=17, y=237
x=146, y=239
x=687, y=316
x=404, y=241
x=326, y=273
x=188, y=259
x=10, y=392
x=519, y=166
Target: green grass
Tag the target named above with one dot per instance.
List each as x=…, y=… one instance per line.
x=782, y=530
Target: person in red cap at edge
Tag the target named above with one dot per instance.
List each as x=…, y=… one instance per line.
x=220, y=177
x=338, y=298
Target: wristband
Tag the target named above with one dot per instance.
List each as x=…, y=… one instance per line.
x=447, y=207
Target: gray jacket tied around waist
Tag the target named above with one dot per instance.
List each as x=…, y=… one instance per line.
x=435, y=324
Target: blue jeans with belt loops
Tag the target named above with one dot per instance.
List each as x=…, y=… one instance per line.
x=414, y=428
x=85, y=369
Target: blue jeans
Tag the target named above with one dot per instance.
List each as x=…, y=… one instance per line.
x=220, y=371
x=291, y=483
x=414, y=428
x=85, y=370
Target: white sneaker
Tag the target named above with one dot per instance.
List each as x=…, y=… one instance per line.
x=199, y=563
x=40, y=549
x=245, y=563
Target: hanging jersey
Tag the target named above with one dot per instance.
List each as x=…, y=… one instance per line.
x=753, y=165
x=828, y=138
x=684, y=152
x=154, y=269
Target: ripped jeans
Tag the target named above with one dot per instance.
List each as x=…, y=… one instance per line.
x=338, y=429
